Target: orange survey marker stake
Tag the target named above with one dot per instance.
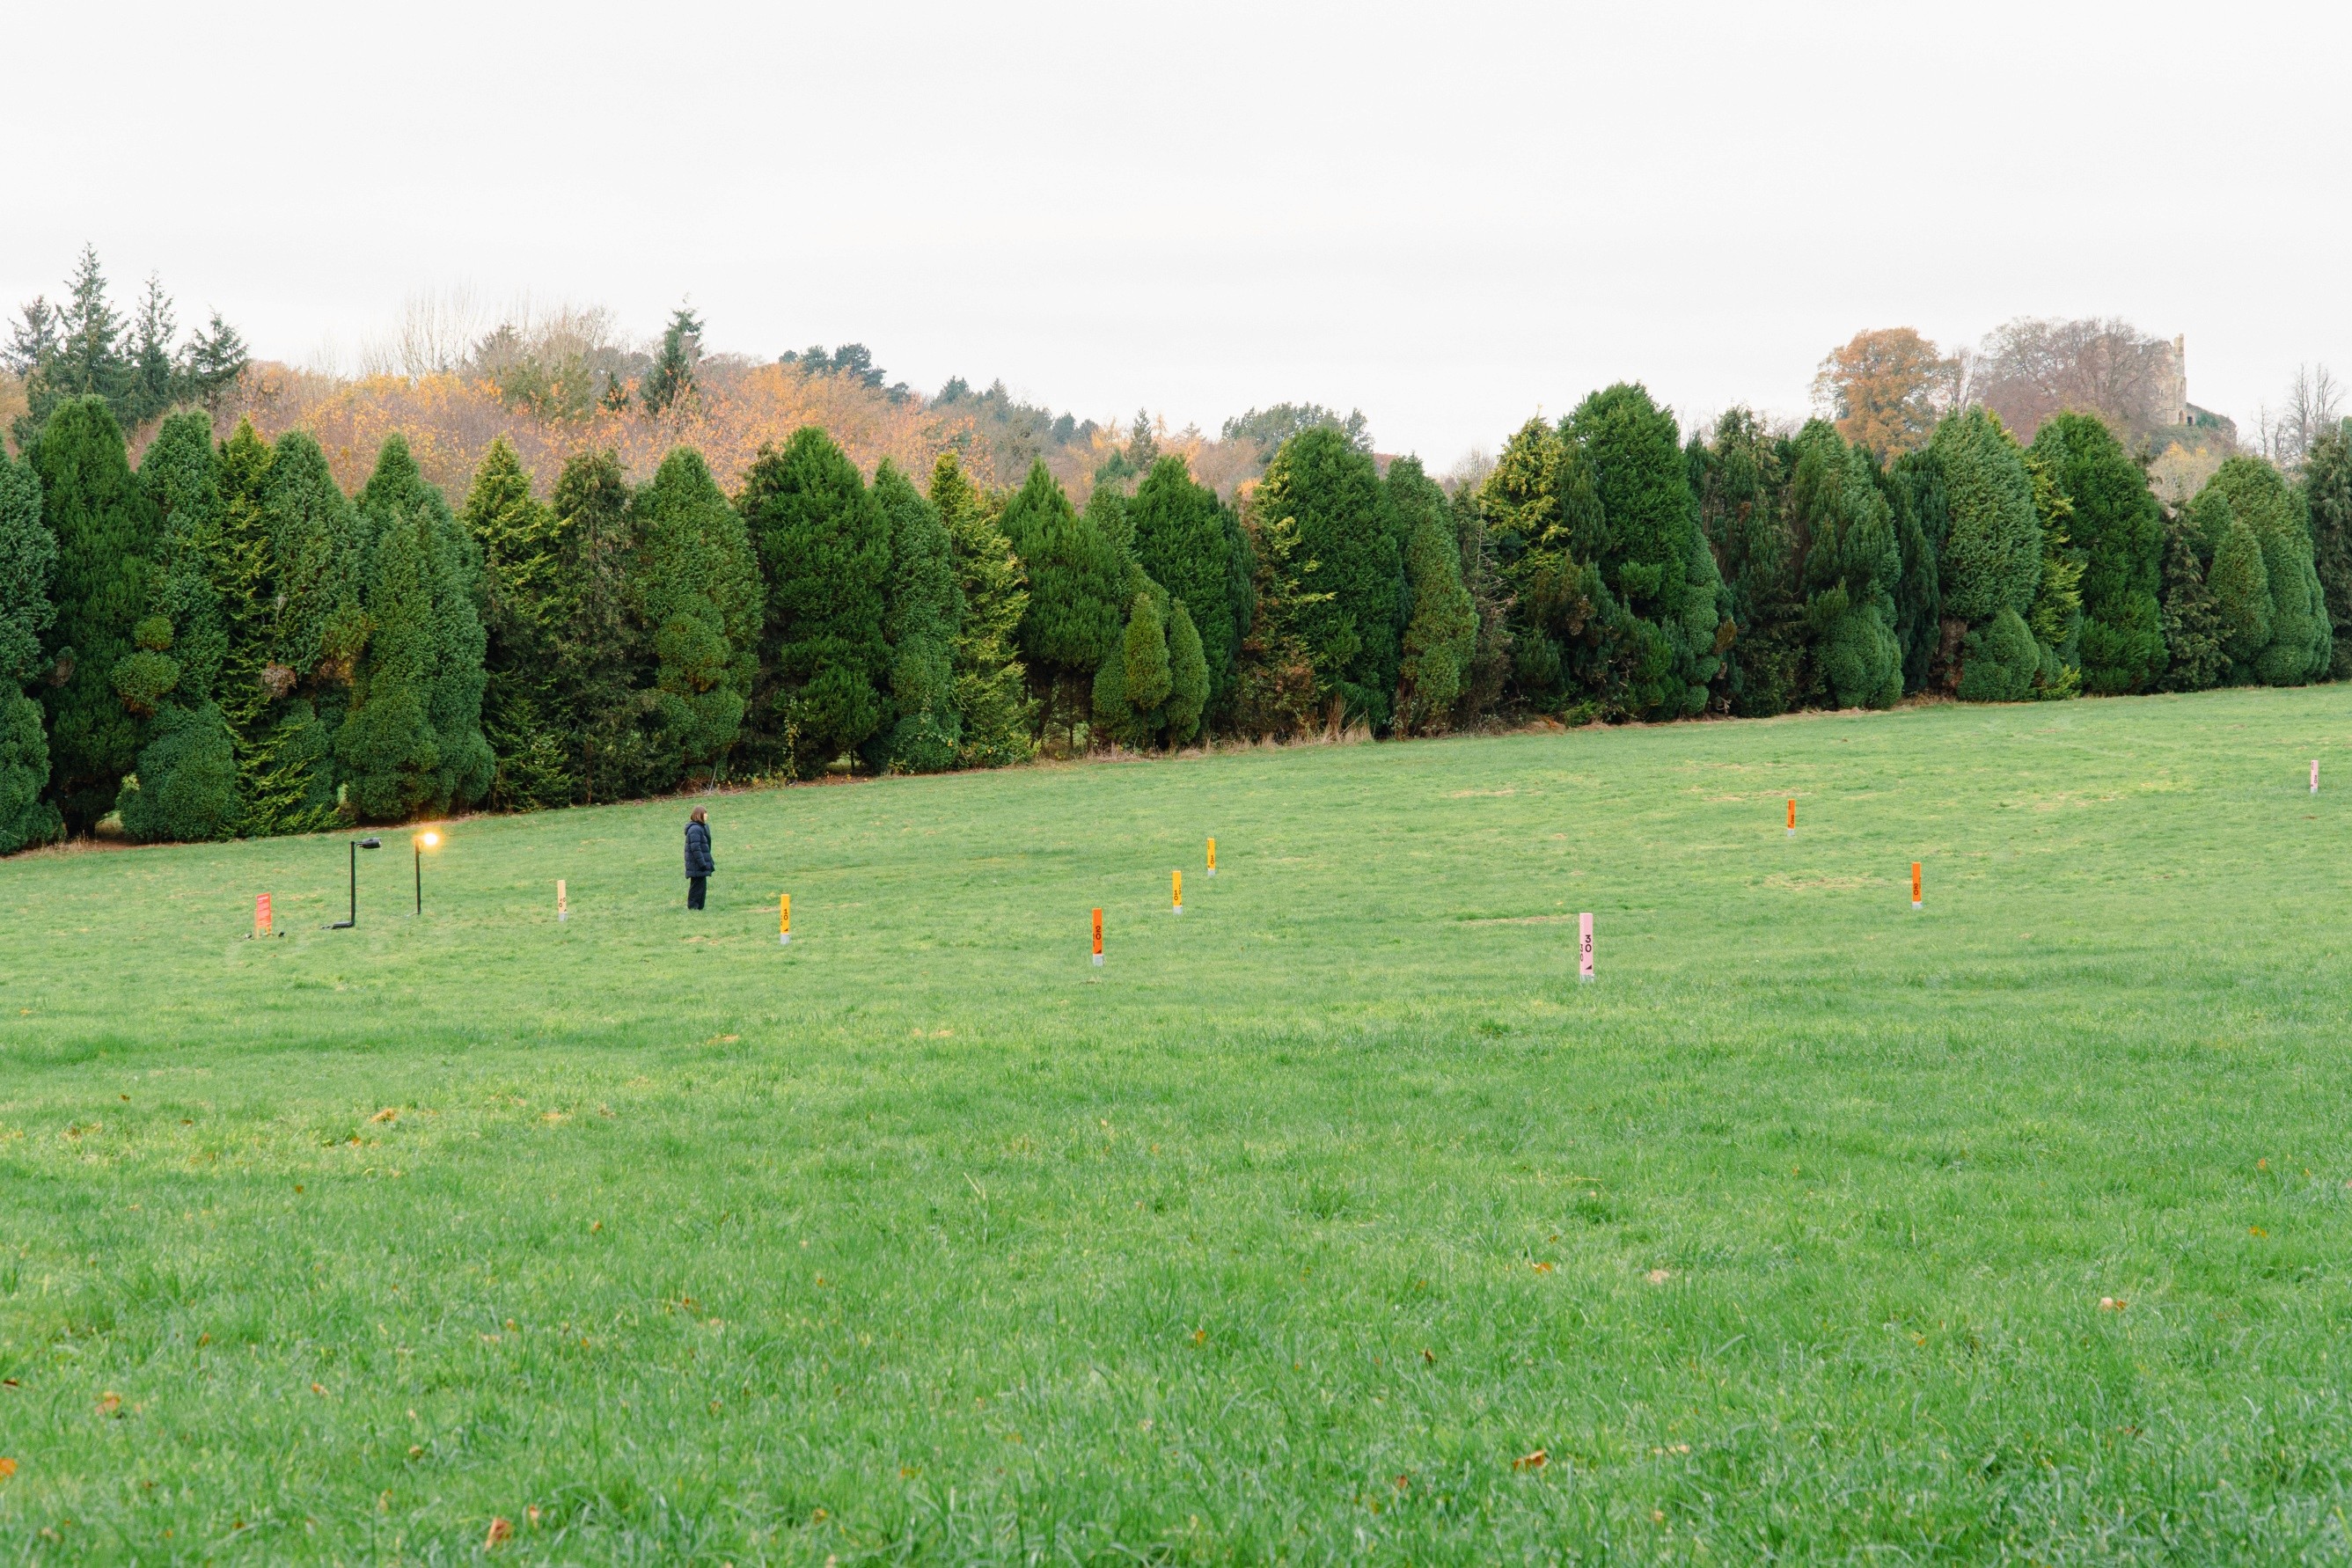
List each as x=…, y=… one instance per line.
x=1915, y=885
x=1213, y=849
x=1792, y=816
x=1584, y=948
x=562, y=905
x=1098, y=939
x=261, y=914
x=784, y=920
x=1176, y=892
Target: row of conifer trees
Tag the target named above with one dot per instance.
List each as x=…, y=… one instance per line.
x=220, y=641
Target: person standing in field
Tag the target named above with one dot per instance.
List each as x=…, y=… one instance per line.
x=698, y=865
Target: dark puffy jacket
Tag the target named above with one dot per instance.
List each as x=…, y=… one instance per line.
x=697, y=851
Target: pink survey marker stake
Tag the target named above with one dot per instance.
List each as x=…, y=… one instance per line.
x=1584, y=947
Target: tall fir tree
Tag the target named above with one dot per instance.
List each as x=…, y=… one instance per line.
x=448, y=659
x=824, y=545
x=2300, y=646
x=1190, y=542
x=28, y=558
x=105, y=529
x=2192, y=620
x=922, y=615
x=1651, y=553
x=1440, y=629
x=1132, y=686
x=1351, y=577
x=698, y=601
x=1992, y=555
x=1739, y=476
x=2114, y=522
x=522, y=613
x=1852, y=566
x=2327, y=493
x=993, y=707
x=1076, y=614
x=187, y=785
x=602, y=667
x=2241, y=597
x=671, y=380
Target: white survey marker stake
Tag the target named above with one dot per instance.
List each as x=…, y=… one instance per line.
x=1583, y=947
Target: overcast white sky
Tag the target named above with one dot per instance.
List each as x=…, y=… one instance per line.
x=1448, y=215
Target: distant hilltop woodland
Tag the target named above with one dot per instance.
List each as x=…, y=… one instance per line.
x=524, y=566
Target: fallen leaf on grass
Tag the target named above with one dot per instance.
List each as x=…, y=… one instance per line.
x=386, y=1114
x=2112, y=1304
x=1542, y=1267
x=1535, y=1462
x=317, y=1388
x=1659, y=1276
x=1429, y=1356
x=501, y=1530
x=109, y=1402
x=8, y=1468
x=532, y=1513
x=2256, y=1230
x=1402, y=1482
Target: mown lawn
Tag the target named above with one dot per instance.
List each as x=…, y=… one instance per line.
x=1334, y=1220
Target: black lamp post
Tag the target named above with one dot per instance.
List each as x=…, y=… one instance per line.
x=357, y=844
x=419, y=845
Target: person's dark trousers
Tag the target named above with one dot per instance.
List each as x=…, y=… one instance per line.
x=694, y=886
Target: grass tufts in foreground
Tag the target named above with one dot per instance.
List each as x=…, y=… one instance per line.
x=1334, y=1220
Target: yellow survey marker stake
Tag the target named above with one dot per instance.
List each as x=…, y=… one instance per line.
x=784, y=920
x=1176, y=891
x=1212, y=857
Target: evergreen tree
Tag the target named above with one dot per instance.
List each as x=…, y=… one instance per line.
x=29, y=555
x=1073, y=618
x=922, y=615
x=2327, y=490
x=86, y=360
x=187, y=785
x=2301, y=645
x=1999, y=660
x=601, y=667
x=698, y=600
x=1991, y=552
x=2241, y=596
x=2055, y=615
x=824, y=545
x=2192, y=620
x=318, y=551
x=671, y=380
x=1188, y=678
x=1276, y=693
x=387, y=747
x=1853, y=565
x=1739, y=476
x=1352, y=575
x=1190, y=543
x=105, y=529
x=522, y=614
x=2116, y=524
x=151, y=380
x=1131, y=688
x=1441, y=631
x=413, y=742
x=1916, y=498
x=1651, y=553
x=992, y=705
x=29, y=559
x=1490, y=657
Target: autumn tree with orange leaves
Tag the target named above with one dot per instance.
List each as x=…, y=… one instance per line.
x=1887, y=388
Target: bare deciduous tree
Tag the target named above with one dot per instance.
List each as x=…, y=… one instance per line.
x=2033, y=368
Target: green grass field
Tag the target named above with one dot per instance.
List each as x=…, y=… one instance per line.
x=1294, y=1234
